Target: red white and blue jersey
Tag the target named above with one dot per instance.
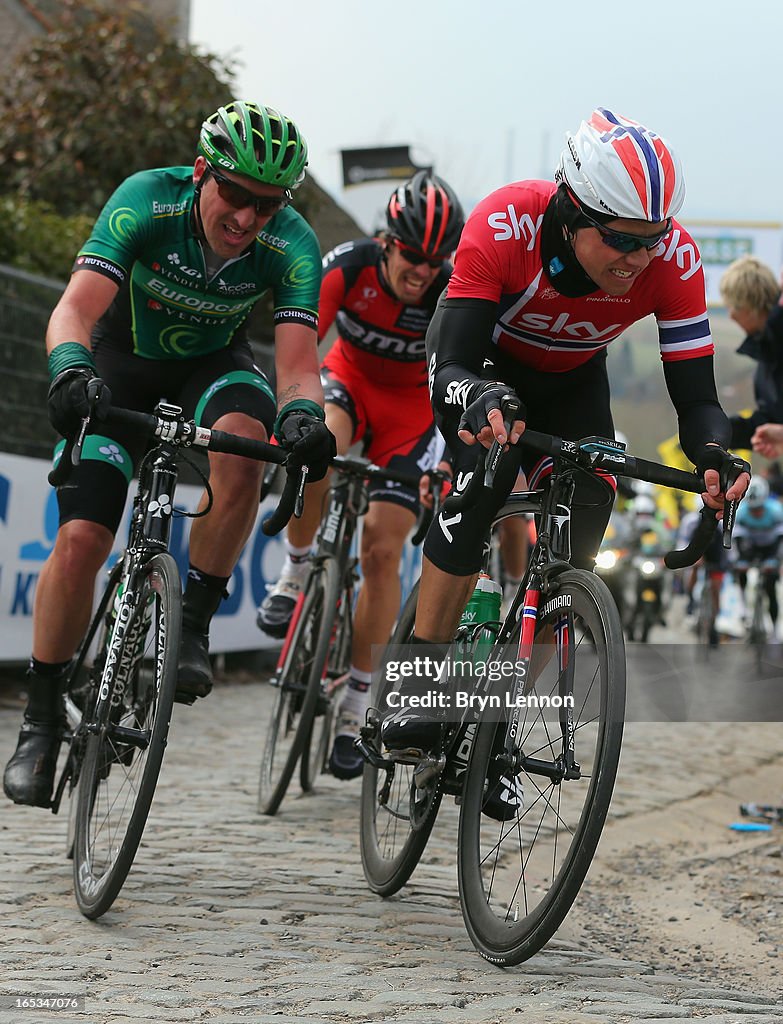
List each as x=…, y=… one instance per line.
x=380, y=336
x=499, y=259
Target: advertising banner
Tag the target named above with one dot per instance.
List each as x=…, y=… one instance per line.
x=28, y=525
x=722, y=242
x=378, y=163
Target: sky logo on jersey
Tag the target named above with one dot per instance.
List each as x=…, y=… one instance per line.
x=508, y=224
x=685, y=255
x=563, y=325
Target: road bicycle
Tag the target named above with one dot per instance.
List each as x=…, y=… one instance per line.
x=119, y=692
x=315, y=657
x=552, y=744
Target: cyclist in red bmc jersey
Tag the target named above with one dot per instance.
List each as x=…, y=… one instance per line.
x=546, y=275
x=381, y=293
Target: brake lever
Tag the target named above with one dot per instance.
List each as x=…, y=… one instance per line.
x=76, y=447
x=300, y=492
x=509, y=407
x=729, y=474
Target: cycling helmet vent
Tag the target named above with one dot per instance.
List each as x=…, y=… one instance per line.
x=615, y=166
x=425, y=215
x=257, y=142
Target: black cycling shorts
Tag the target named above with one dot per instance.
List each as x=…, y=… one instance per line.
x=570, y=405
x=206, y=388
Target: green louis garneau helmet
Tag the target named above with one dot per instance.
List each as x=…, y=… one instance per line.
x=258, y=142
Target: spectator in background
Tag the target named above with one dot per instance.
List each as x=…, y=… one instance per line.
x=752, y=297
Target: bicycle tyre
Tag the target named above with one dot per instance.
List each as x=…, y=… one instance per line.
x=316, y=748
x=109, y=827
x=81, y=689
x=298, y=686
x=502, y=930
x=389, y=858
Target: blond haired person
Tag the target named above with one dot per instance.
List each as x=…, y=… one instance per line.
x=752, y=298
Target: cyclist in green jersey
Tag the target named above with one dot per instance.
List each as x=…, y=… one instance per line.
x=174, y=264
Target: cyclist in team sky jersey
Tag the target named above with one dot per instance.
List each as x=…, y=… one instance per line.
x=173, y=266
x=546, y=275
x=381, y=293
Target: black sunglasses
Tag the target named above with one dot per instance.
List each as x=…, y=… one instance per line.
x=240, y=198
x=417, y=258
x=628, y=243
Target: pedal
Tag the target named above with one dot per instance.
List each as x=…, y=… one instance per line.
x=427, y=769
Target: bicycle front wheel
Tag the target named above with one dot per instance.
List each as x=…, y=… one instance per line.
x=298, y=686
x=525, y=845
x=396, y=818
x=123, y=755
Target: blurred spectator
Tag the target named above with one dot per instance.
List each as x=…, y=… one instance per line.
x=752, y=296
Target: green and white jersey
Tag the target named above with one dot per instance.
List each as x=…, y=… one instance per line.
x=168, y=306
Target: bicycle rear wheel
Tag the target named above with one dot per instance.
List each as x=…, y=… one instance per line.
x=122, y=758
x=519, y=877
x=315, y=751
x=396, y=817
x=298, y=686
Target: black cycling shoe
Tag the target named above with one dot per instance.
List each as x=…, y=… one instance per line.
x=416, y=729
x=29, y=775
x=195, y=669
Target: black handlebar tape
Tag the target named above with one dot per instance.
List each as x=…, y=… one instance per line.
x=699, y=542
x=62, y=470
x=249, y=447
x=278, y=517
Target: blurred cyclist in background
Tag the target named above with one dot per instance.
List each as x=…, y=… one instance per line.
x=759, y=537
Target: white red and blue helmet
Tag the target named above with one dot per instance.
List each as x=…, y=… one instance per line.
x=619, y=168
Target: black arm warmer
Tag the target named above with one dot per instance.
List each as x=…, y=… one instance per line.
x=457, y=345
x=691, y=385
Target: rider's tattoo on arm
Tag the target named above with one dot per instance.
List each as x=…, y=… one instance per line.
x=284, y=397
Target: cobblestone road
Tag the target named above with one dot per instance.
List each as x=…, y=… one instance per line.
x=228, y=915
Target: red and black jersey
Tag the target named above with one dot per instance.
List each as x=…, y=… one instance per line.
x=382, y=337
x=499, y=259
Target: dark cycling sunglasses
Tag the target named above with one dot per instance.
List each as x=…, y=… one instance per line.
x=417, y=258
x=628, y=243
x=240, y=198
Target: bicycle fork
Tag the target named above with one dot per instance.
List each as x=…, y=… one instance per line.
x=531, y=660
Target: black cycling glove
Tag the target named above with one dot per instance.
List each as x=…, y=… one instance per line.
x=728, y=465
x=486, y=398
x=307, y=439
x=70, y=396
